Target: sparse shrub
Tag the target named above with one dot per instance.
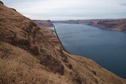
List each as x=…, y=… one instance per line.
x=34, y=50
x=70, y=66
x=52, y=64
x=22, y=43
x=77, y=78
x=65, y=60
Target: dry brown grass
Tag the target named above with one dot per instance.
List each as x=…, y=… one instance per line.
x=27, y=56
x=21, y=67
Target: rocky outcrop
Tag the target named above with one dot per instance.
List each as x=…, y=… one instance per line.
x=27, y=56
x=48, y=31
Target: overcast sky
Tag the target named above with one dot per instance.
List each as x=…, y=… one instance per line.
x=69, y=9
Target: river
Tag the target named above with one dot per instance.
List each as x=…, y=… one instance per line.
x=106, y=47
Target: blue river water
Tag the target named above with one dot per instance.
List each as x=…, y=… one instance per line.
x=106, y=47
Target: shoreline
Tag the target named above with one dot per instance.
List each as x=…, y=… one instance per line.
x=62, y=47
x=85, y=55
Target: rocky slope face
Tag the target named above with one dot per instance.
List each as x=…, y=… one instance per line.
x=27, y=56
x=48, y=31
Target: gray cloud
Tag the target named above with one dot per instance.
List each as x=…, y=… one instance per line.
x=69, y=9
x=123, y=4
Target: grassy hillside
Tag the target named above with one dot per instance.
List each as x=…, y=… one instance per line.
x=27, y=56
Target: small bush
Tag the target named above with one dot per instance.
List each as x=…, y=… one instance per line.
x=52, y=64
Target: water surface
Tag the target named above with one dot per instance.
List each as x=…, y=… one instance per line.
x=107, y=48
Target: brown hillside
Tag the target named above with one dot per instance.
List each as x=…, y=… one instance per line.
x=118, y=25
x=27, y=56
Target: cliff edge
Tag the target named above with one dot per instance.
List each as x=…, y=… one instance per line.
x=27, y=56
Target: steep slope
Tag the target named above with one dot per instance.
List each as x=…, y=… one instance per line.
x=48, y=31
x=28, y=57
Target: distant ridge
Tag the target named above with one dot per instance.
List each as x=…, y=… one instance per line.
x=111, y=24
